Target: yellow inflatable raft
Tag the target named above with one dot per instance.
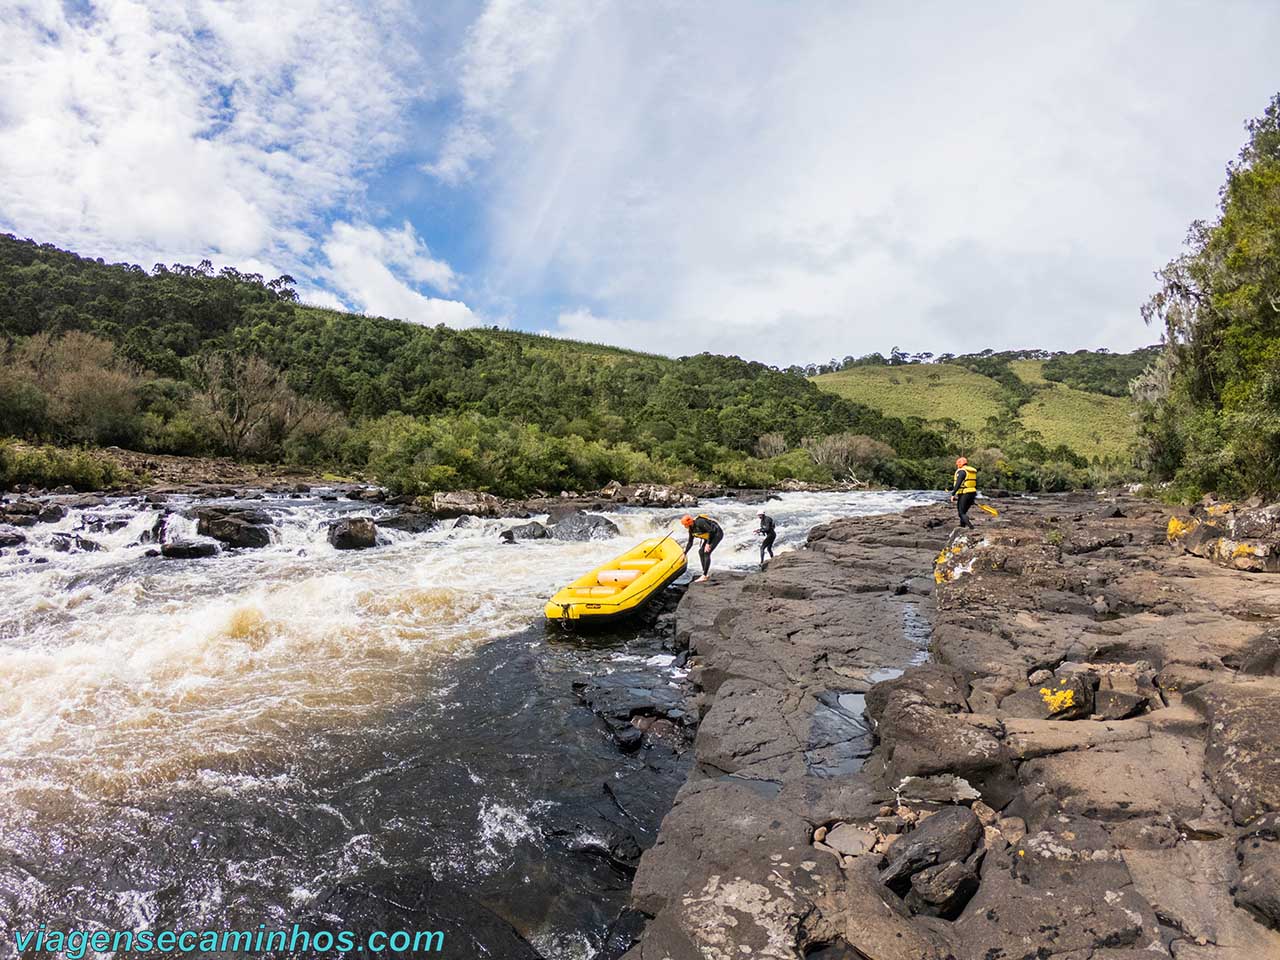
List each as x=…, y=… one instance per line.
x=620, y=587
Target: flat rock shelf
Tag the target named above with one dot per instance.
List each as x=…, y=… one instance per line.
x=1055, y=736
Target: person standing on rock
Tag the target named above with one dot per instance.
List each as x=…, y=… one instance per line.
x=965, y=490
x=770, y=531
x=709, y=532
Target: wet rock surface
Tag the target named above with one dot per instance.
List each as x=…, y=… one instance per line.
x=236, y=527
x=1088, y=768
x=188, y=549
x=583, y=526
x=525, y=531
x=353, y=533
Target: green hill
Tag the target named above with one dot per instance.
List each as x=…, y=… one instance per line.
x=196, y=361
x=189, y=360
x=932, y=392
x=981, y=399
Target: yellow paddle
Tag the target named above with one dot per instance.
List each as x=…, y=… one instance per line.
x=991, y=510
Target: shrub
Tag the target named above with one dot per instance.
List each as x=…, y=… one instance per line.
x=54, y=467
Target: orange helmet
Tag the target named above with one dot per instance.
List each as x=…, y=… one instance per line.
x=961, y=461
x=687, y=520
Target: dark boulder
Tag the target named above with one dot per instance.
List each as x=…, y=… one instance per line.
x=235, y=528
x=353, y=533
x=52, y=513
x=1258, y=852
x=950, y=834
x=408, y=522
x=188, y=549
x=1118, y=704
x=942, y=891
x=11, y=536
x=71, y=543
x=584, y=526
x=1061, y=697
x=525, y=531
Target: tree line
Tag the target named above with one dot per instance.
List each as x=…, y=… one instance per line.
x=193, y=360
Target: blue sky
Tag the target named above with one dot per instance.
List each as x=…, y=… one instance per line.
x=788, y=182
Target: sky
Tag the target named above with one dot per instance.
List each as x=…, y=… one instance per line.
x=788, y=182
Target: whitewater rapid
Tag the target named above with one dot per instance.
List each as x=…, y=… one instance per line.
x=127, y=678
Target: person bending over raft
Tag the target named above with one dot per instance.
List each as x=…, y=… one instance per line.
x=965, y=490
x=709, y=532
x=770, y=531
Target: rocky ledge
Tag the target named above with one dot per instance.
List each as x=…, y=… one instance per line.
x=1086, y=768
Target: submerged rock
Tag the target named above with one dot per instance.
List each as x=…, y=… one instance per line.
x=353, y=533
x=420, y=904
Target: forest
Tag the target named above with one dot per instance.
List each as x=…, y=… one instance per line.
x=1209, y=407
x=192, y=360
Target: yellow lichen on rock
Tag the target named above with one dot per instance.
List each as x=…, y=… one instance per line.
x=1057, y=700
x=1177, y=529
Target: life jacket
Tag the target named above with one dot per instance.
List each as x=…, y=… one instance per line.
x=970, y=484
x=703, y=536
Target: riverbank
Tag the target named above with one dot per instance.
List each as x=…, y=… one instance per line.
x=1086, y=769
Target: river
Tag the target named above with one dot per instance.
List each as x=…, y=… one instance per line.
x=297, y=733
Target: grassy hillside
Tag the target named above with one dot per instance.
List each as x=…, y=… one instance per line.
x=1090, y=424
x=933, y=392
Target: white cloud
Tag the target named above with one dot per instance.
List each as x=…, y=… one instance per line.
x=796, y=181
x=182, y=129
x=370, y=266
x=508, y=41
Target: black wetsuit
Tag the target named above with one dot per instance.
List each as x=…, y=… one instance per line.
x=768, y=528
x=706, y=529
x=964, y=501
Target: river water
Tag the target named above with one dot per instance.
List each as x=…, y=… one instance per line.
x=297, y=733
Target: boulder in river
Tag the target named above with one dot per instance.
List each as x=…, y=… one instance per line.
x=72, y=543
x=455, y=503
x=11, y=536
x=408, y=522
x=353, y=533
x=188, y=549
x=532, y=530
x=52, y=513
x=234, y=527
x=584, y=526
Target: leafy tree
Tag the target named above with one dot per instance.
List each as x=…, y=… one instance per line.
x=1210, y=406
